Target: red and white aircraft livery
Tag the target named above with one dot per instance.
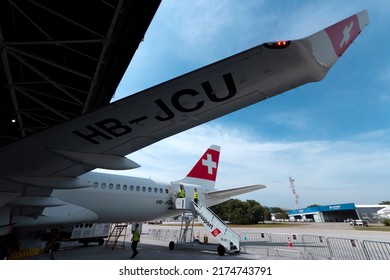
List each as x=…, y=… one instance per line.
x=46, y=179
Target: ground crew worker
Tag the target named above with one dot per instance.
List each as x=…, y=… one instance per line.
x=135, y=240
x=196, y=196
x=181, y=193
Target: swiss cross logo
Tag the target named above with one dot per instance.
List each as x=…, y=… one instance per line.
x=209, y=163
x=215, y=232
x=206, y=167
x=343, y=33
x=346, y=35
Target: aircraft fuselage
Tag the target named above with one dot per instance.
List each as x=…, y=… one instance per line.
x=116, y=198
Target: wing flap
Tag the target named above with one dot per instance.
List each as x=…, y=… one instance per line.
x=50, y=182
x=37, y=201
x=64, y=214
x=106, y=161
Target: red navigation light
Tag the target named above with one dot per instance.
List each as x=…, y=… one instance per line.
x=277, y=45
x=281, y=43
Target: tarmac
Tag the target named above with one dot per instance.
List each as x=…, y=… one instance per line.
x=151, y=249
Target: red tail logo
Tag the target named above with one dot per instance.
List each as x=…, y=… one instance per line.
x=206, y=167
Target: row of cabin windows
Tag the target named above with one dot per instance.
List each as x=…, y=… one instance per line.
x=131, y=187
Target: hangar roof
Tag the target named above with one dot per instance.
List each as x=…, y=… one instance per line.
x=324, y=208
x=60, y=59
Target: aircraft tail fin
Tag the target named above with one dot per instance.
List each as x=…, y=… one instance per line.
x=204, y=172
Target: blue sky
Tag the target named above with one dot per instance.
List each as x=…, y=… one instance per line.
x=332, y=137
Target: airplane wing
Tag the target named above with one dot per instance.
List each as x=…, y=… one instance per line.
x=55, y=157
x=227, y=194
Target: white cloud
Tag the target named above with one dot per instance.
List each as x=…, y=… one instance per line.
x=296, y=120
x=325, y=172
x=189, y=22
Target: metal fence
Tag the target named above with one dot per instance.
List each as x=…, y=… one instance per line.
x=317, y=247
x=377, y=250
x=165, y=235
x=168, y=235
x=346, y=249
x=255, y=239
x=305, y=246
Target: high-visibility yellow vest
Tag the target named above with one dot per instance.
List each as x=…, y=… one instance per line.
x=196, y=195
x=136, y=234
x=181, y=194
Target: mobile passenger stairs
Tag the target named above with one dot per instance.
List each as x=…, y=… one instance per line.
x=118, y=231
x=229, y=241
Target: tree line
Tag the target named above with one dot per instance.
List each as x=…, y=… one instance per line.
x=246, y=212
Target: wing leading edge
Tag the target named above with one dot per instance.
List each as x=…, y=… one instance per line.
x=216, y=197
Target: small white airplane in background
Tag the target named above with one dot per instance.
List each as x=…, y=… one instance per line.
x=46, y=180
x=384, y=213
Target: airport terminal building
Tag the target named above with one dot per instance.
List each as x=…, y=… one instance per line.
x=336, y=213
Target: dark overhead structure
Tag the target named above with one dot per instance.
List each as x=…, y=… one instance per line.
x=63, y=58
